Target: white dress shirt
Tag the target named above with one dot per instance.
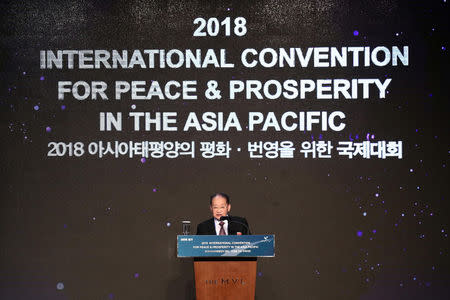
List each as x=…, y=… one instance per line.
x=217, y=225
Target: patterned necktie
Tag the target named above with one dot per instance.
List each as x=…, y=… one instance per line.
x=222, y=230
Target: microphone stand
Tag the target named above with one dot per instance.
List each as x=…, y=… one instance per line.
x=228, y=218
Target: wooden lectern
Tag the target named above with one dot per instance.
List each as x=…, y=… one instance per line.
x=225, y=266
x=225, y=278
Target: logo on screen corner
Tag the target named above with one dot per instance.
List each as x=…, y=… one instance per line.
x=266, y=239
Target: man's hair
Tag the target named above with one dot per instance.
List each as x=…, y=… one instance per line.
x=220, y=195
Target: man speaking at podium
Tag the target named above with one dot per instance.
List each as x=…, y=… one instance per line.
x=222, y=223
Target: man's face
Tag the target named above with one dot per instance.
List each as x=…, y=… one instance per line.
x=219, y=207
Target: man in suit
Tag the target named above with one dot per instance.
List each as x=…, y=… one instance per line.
x=220, y=206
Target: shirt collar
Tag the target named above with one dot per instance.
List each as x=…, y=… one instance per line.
x=217, y=221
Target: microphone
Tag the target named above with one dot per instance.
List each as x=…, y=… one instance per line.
x=228, y=218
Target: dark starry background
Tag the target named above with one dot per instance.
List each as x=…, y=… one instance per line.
x=94, y=228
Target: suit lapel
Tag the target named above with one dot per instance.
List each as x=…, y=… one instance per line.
x=212, y=227
x=231, y=229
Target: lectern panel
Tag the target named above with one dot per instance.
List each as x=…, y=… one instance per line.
x=225, y=280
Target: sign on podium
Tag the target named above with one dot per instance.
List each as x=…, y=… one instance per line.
x=226, y=245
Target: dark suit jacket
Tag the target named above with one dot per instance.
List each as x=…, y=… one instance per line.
x=236, y=224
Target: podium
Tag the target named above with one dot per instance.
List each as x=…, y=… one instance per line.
x=225, y=266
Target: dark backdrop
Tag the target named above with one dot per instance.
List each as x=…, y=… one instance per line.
x=89, y=228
